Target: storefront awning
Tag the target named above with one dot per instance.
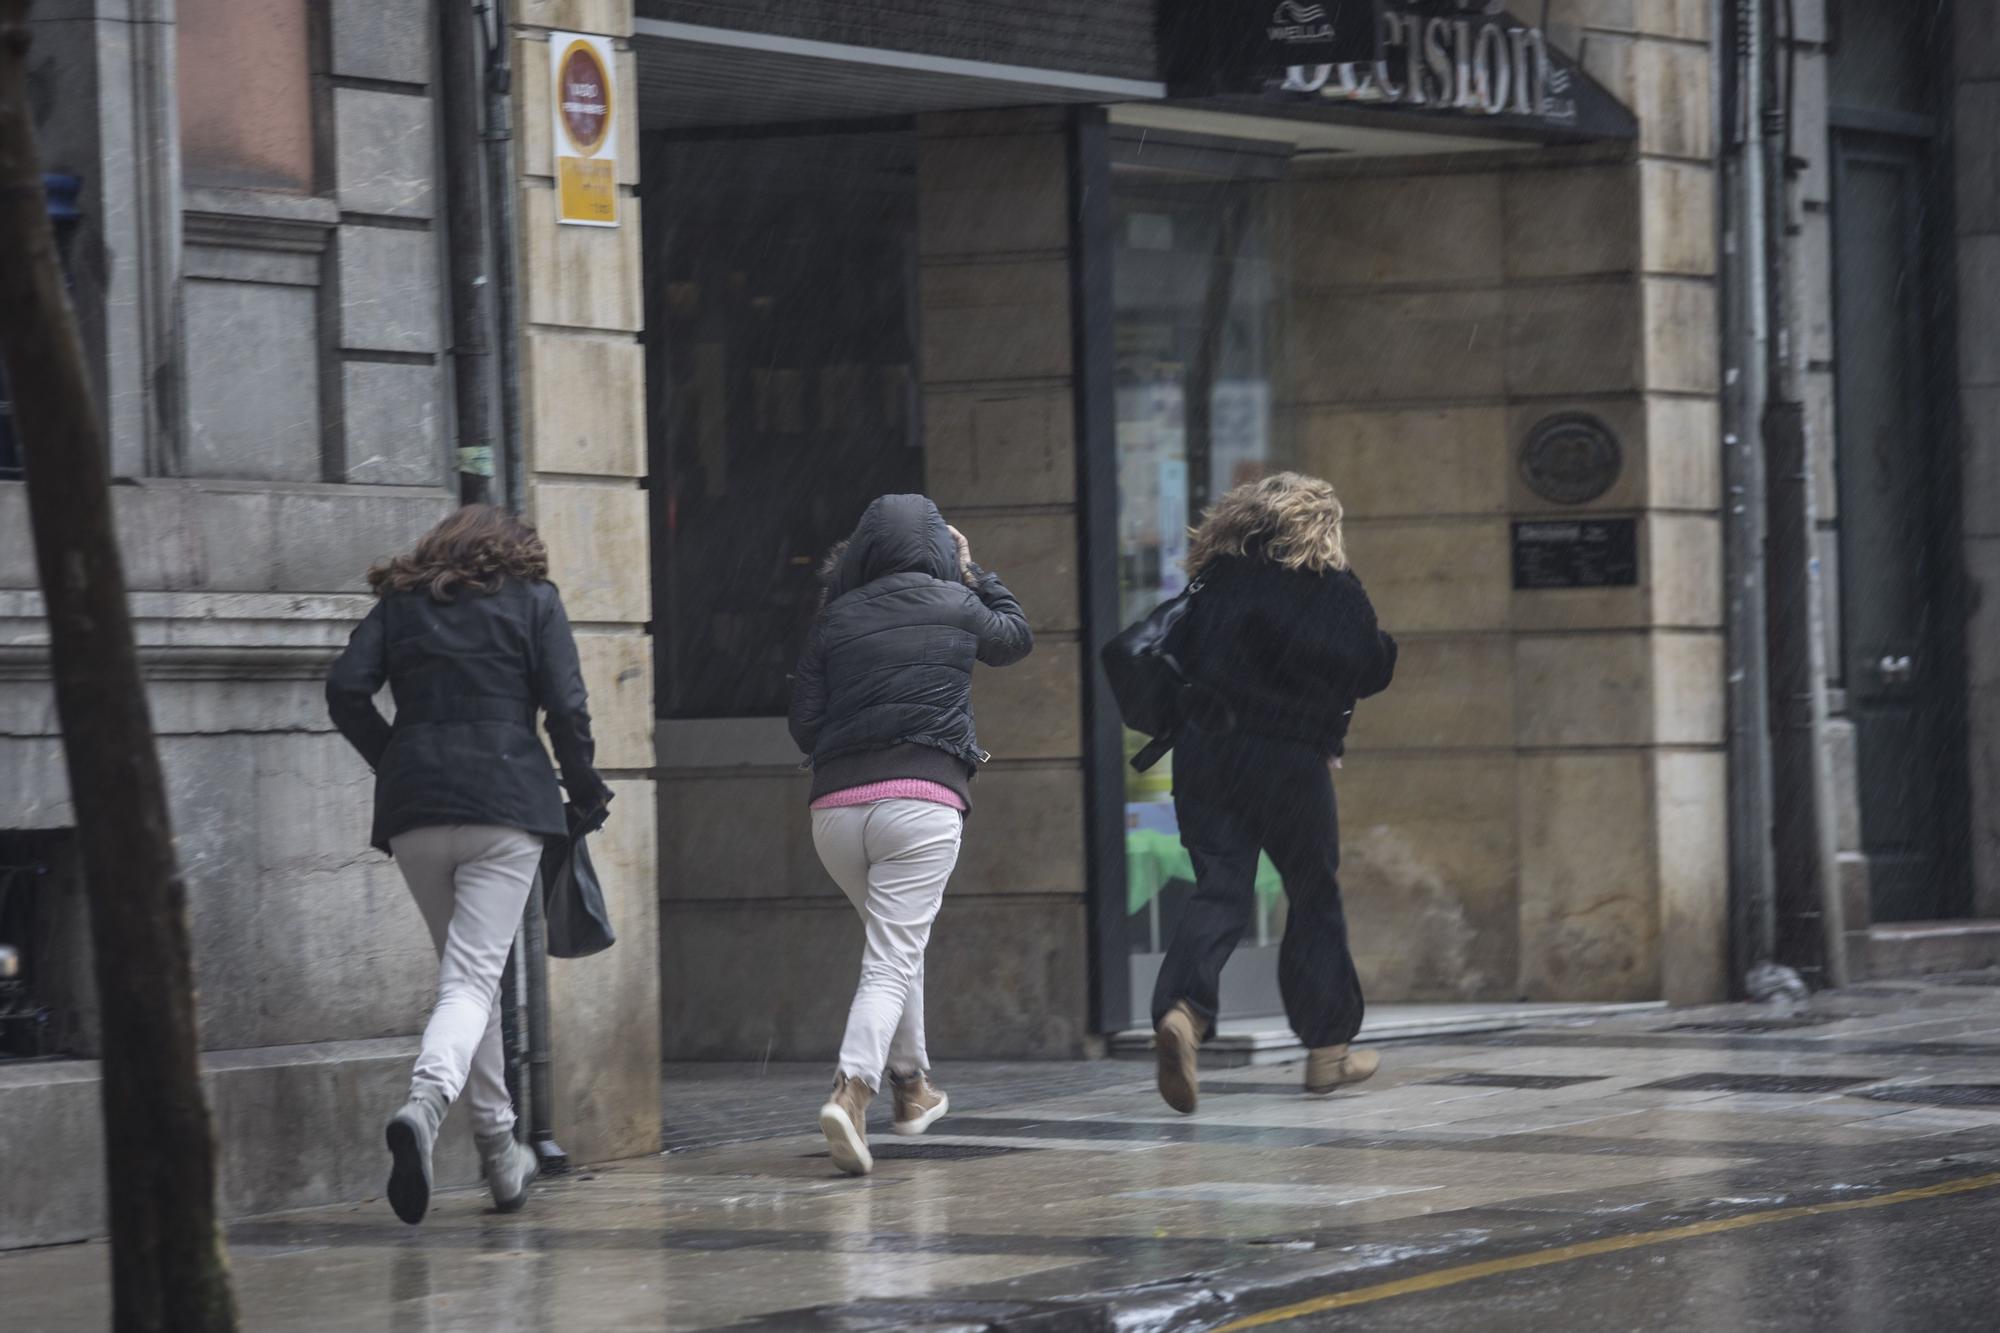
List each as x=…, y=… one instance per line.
x=692, y=77
x=1360, y=76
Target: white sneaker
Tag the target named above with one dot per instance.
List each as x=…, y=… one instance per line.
x=844, y=1121
x=919, y=1103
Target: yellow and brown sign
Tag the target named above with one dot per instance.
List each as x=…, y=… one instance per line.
x=584, y=107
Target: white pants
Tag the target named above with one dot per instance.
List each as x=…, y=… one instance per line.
x=891, y=859
x=471, y=882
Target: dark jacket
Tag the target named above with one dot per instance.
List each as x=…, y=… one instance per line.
x=885, y=682
x=468, y=677
x=1288, y=652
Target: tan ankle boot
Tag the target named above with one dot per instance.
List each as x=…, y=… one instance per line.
x=918, y=1102
x=844, y=1121
x=1175, y=1042
x=1329, y=1067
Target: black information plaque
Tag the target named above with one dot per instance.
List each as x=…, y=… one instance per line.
x=1577, y=553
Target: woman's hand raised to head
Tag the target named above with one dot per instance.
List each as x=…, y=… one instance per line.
x=964, y=554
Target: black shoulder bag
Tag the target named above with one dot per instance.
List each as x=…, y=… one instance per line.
x=1143, y=666
x=578, y=923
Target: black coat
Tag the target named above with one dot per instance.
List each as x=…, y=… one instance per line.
x=468, y=677
x=1288, y=652
x=888, y=663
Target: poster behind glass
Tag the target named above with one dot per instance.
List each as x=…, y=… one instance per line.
x=1169, y=292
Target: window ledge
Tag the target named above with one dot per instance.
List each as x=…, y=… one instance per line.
x=258, y=219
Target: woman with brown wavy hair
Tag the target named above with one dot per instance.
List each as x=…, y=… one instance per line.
x=472, y=640
x=1280, y=642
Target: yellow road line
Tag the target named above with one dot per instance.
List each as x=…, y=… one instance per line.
x=1562, y=1254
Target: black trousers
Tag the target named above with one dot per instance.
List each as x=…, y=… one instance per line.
x=1234, y=796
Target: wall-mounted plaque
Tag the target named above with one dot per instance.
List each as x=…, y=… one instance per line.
x=1570, y=458
x=1577, y=553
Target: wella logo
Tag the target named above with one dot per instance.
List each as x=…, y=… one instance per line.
x=1294, y=22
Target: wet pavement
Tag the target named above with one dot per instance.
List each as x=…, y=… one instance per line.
x=1837, y=1167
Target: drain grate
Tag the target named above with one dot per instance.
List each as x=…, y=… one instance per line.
x=1753, y=1025
x=1758, y=1083
x=1938, y=1094
x=1253, y=1089
x=1478, y=1080
x=937, y=1152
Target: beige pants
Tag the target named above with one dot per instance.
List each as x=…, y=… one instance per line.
x=471, y=882
x=891, y=859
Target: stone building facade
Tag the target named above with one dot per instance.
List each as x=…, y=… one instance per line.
x=1001, y=254
x=260, y=283
x=1539, y=809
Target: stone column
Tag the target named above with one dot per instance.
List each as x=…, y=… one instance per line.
x=1537, y=808
x=1976, y=54
x=584, y=416
x=1000, y=460
x=759, y=945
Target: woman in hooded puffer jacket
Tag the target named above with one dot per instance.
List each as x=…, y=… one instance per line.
x=882, y=708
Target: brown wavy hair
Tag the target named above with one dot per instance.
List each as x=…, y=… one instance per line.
x=479, y=546
x=1287, y=518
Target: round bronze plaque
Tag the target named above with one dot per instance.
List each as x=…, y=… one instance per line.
x=1570, y=458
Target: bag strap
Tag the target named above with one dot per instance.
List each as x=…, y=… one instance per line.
x=1152, y=752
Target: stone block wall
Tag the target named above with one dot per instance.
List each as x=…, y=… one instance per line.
x=1976, y=53
x=1537, y=808
x=1000, y=459
x=584, y=410
x=272, y=369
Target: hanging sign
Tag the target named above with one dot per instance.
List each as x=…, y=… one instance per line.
x=583, y=105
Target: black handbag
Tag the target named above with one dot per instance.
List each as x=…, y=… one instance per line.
x=578, y=925
x=1143, y=666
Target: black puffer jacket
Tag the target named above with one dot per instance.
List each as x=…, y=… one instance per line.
x=468, y=677
x=1288, y=651
x=884, y=688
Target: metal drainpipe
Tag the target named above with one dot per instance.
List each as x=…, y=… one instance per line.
x=500, y=182
x=465, y=231
x=531, y=943
x=1741, y=230
x=1809, y=930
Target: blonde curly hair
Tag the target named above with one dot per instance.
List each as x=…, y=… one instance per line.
x=1287, y=518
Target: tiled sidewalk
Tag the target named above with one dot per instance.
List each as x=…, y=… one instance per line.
x=1069, y=1196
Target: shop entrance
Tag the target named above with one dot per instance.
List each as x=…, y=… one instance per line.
x=1197, y=318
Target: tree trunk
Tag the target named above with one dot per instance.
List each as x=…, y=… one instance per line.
x=168, y=1271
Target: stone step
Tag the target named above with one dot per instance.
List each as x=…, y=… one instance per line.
x=1927, y=948
x=1268, y=1041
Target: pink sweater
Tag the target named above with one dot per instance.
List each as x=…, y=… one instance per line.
x=896, y=789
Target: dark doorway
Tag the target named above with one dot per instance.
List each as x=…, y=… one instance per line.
x=781, y=377
x=1898, y=489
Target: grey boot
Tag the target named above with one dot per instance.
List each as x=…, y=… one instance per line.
x=510, y=1167
x=411, y=1134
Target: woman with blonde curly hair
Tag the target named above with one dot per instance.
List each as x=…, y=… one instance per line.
x=473, y=642
x=1280, y=641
